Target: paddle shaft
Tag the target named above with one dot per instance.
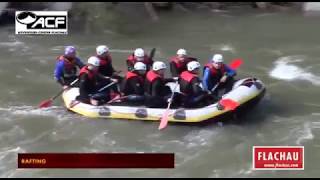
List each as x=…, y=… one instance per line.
x=119, y=98
x=175, y=87
x=71, y=84
x=164, y=118
x=108, y=85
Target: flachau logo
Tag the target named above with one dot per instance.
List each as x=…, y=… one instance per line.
x=41, y=22
x=278, y=158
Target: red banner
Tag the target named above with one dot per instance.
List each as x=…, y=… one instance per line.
x=96, y=160
x=278, y=157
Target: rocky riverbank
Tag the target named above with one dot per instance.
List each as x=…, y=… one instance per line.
x=90, y=10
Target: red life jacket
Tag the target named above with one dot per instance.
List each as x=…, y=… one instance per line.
x=91, y=74
x=105, y=67
x=132, y=75
x=178, y=63
x=152, y=76
x=214, y=71
x=188, y=76
x=69, y=64
x=146, y=60
x=105, y=61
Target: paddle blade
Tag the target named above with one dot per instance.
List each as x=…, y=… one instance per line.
x=164, y=120
x=236, y=63
x=45, y=104
x=229, y=104
x=153, y=51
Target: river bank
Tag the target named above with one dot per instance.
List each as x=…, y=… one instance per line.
x=152, y=9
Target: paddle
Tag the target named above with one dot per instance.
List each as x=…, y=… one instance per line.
x=128, y=97
x=116, y=99
x=235, y=64
x=108, y=85
x=47, y=103
x=165, y=116
x=152, y=53
x=75, y=102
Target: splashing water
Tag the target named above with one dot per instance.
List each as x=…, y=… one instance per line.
x=285, y=70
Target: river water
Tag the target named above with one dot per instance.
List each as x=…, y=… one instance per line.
x=281, y=49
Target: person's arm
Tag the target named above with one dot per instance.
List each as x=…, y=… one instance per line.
x=123, y=86
x=58, y=73
x=79, y=63
x=174, y=69
x=206, y=80
x=195, y=87
x=83, y=85
x=102, y=77
x=156, y=88
x=230, y=72
x=111, y=67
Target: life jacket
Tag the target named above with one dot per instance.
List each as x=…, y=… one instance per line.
x=105, y=67
x=215, y=72
x=91, y=74
x=128, y=89
x=150, y=78
x=70, y=68
x=185, y=80
x=90, y=86
x=188, y=76
x=146, y=60
x=130, y=75
x=181, y=66
x=104, y=61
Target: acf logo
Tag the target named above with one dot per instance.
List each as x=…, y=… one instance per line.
x=41, y=22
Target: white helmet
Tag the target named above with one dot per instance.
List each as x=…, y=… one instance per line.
x=140, y=66
x=102, y=49
x=158, y=65
x=139, y=52
x=193, y=65
x=182, y=52
x=93, y=60
x=217, y=58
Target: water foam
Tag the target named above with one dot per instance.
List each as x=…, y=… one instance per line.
x=227, y=48
x=223, y=47
x=8, y=157
x=285, y=70
x=53, y=111
x=306, y=134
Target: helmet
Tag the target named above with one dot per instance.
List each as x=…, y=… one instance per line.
x=139, y=52
x=158, y=65
x=93, y=60
x=102, y=49
x=217, y=58
x=193, y=65
x=181, y=52
x=140, y=66
x=69, y=50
